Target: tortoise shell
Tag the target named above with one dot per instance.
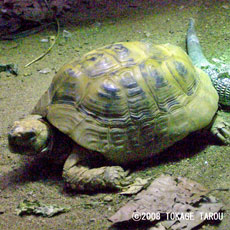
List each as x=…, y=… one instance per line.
x=129, y=100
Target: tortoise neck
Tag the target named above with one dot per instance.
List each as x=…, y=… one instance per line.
x=50, y=140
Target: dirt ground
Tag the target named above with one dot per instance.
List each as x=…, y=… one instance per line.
x=198, y=157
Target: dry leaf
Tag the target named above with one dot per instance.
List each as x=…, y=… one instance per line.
x=135, y=187
x=176, y=203
x=37, y=208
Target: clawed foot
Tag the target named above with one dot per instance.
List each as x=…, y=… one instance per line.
x=115, y=177
x=82, y=178
x=221, y=129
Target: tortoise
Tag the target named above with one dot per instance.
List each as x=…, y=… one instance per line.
x=127, y=101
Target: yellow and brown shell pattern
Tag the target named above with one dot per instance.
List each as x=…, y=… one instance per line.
x=129, y=100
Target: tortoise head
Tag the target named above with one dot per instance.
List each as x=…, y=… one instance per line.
x=29, y=136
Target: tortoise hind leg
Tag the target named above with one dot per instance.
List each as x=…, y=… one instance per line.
x=221, y=129
x=82, y=178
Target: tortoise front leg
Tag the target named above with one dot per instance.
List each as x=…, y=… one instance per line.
x=82, y=178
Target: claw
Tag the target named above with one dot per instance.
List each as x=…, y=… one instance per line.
x=225, y=132
x=221, y=129
x=221, y=137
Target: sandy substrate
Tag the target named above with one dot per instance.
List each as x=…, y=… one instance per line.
x=197, y=157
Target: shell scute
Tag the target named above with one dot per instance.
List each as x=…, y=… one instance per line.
x=96, y=64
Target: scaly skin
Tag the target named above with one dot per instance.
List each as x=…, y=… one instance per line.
x=220, y=76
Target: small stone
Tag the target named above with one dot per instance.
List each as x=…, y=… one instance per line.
x=97, y=24
x=108, y=198
x=147, y=34
x=44, y=40
x=226, y=7
x=26, y=74
x=77, y=49
x=52, y=39
x=44, y=71
x=66, y=34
